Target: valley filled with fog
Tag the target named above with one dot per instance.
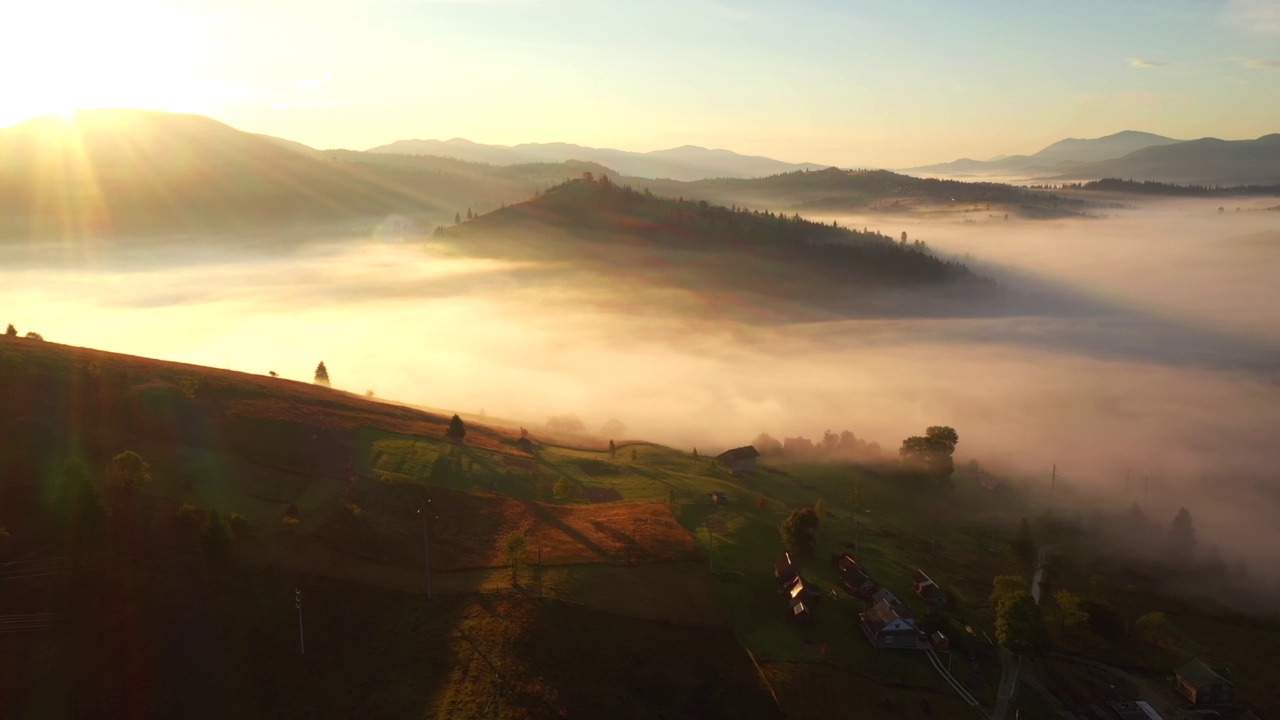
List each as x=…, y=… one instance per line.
x=1171, y=371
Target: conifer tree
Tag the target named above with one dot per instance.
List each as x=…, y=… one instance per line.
x=322, y=375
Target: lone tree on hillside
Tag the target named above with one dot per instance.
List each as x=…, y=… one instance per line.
x=128, y=471
x=613, y=450
x=516, y=551
x=1182, y=535
x=634, y=456
x=932, y=452
x=457, y=218
x=33, y=335
x=11, y=331
x=800, y=531
x=457, y=430
x=322, y=375
x=1020, y=625
x=563, y=489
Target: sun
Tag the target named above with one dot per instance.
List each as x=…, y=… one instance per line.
x=86, y=54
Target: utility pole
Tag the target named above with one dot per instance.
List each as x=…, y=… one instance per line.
x=1053, y=479
x=426, y=550
x=302, y=645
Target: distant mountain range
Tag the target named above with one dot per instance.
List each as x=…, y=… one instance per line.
x=1055, y=157
x=1134, y=155
x=688, y=162
x=1208, y=161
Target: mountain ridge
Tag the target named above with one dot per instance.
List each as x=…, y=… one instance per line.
x=685, y=162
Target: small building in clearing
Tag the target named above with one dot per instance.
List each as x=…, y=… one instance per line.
x=739, y=460
x=927, y=589
x=785, y=570
x=855, y=579
x=1200, y=684
x=890, y=625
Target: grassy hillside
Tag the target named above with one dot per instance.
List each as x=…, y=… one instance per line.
x=640, y=598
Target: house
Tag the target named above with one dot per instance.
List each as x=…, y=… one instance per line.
x=854, y=577
x=719, y=498
x=1200, y=684
x=739, y=460
x=1139, y=710
x=885, y=595
x=526, y=445
x=798, y=589
x=798, y=610
x=939, y=641
x=889, y=625
x=785, y=570
x=797, y=445
x=927, y=589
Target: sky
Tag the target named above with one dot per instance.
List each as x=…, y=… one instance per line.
x=886, y=83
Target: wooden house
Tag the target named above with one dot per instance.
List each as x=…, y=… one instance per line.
x=739, y=460
x=889, y=625
x=1200, y=684
x=927, y=589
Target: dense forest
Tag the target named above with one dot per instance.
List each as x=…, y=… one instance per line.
x=1149, y=187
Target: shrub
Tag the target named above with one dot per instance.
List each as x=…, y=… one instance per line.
x=820, y=508
x=189, y=386
x=34, y=336
x=95, y=370
x=239, y=526
x=128, y=471
x=564, y=489
x=800, y=531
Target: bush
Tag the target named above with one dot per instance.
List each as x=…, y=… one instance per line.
x=564, y=489
x=95, y=370
x=239, y=527
x=11, y=331
x=189, y=386
x=34, y=336
x=128, y=471
x=800, y=531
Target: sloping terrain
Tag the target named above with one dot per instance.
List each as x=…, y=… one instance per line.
x=742, y=259
x=1059, y=156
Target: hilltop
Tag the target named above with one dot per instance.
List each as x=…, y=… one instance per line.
x=747, y=257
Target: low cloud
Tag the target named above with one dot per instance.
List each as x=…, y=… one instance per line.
x=1255, y=63
x=1140, y=63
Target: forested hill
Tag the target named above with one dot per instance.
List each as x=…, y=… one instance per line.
x=834, y=189
x=715, y=248
x=1150, y=187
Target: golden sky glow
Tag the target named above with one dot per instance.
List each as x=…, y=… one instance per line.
x=832, y=81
